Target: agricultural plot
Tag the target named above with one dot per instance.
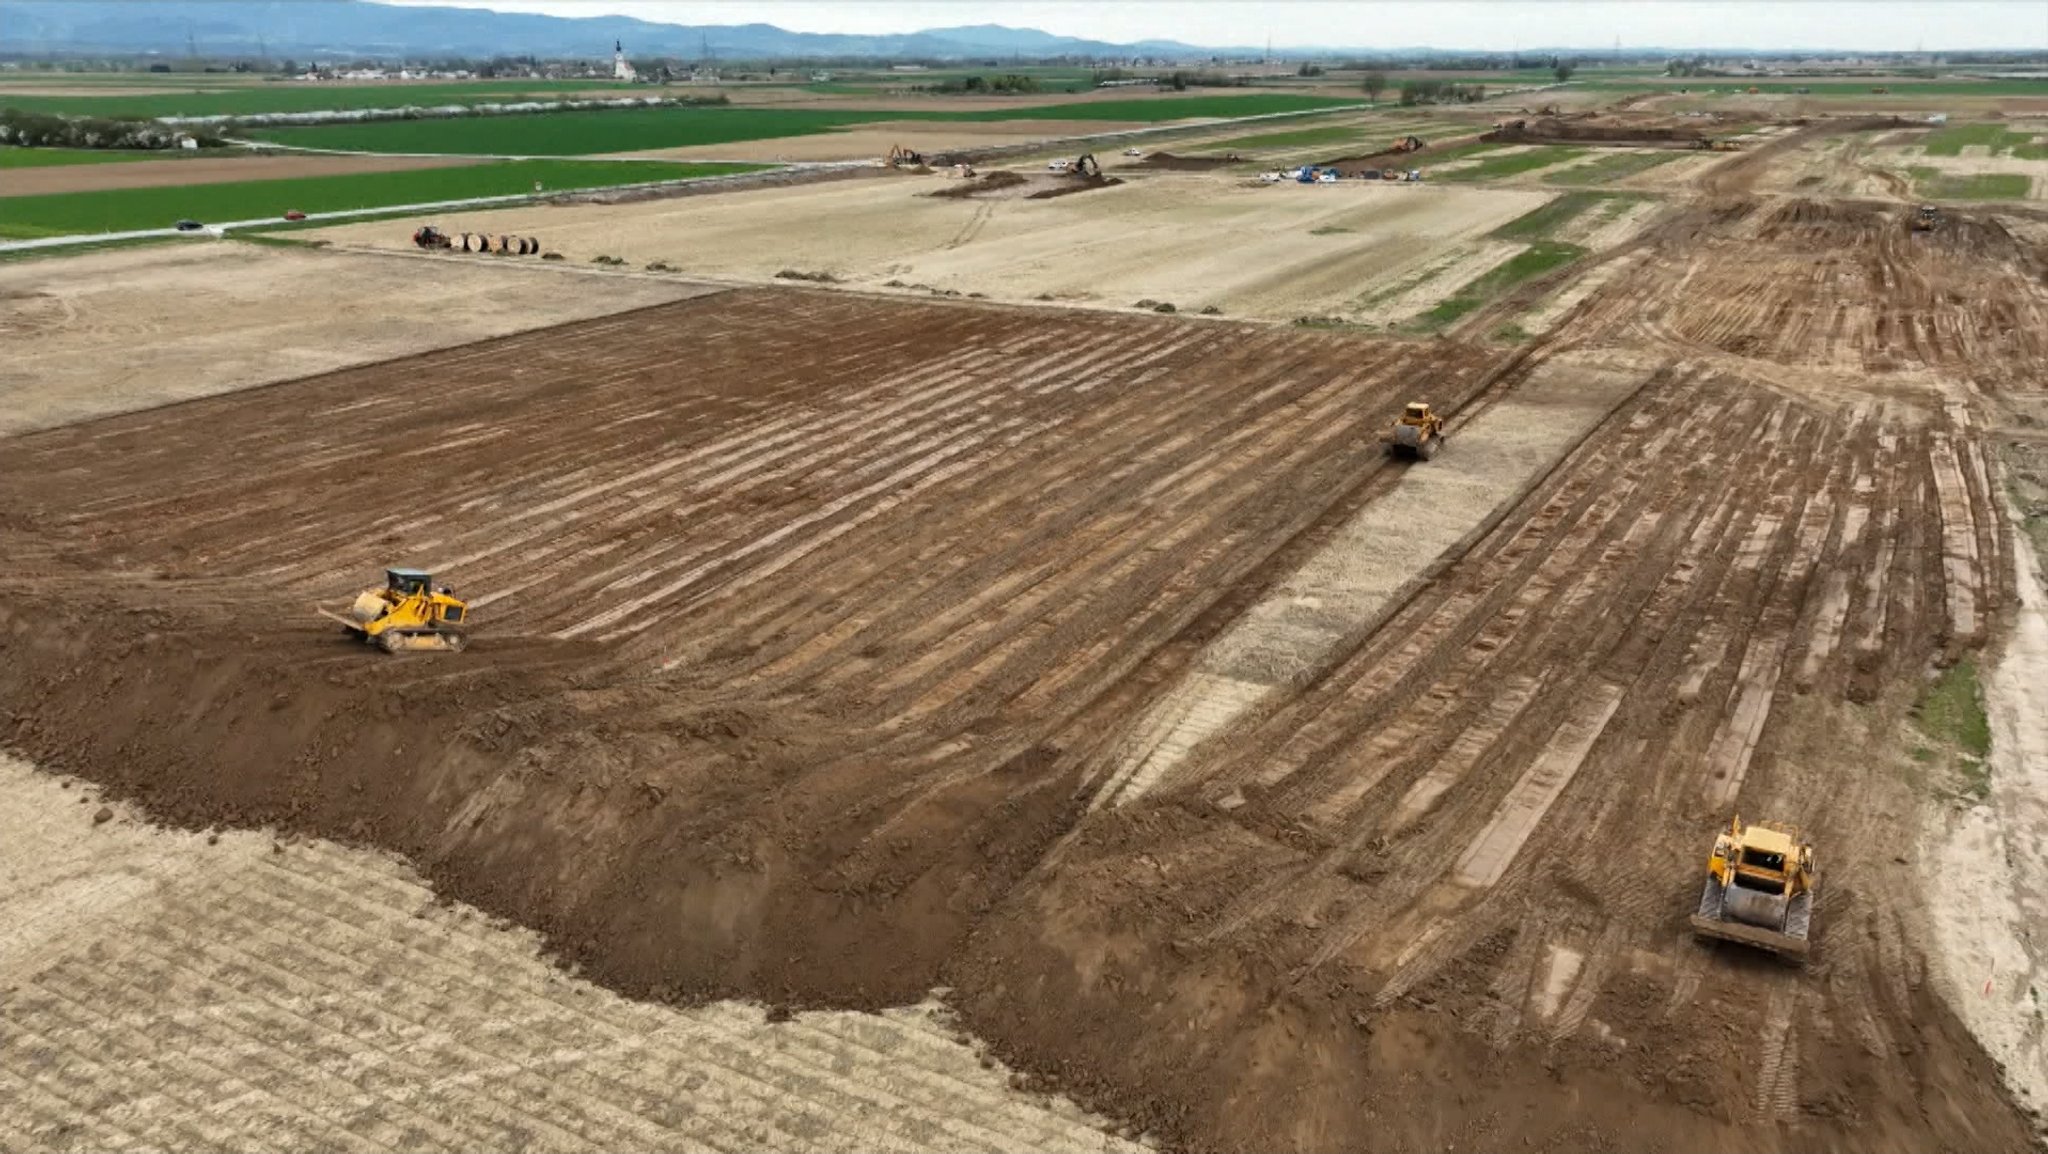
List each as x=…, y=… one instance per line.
x=1191, y=241
x=120, y=209
x=625, y=130
x=253, y=99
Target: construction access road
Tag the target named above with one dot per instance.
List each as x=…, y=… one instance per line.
x=1256, y=789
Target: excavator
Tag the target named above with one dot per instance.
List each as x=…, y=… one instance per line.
x=1759, y=891
x=901, y=157
x=1085, y=167
x=1419, y=432
x=409, y=614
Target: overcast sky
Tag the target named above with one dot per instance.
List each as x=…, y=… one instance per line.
x=1902, y=25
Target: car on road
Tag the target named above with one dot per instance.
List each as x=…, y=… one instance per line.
x=294, y=214
x=188, y=226
x=1134, y=152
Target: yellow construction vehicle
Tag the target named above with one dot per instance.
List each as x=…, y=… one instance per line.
x=901, y=157
x=1926, y=219
x=1760, y=883
x=1418, y=433
x=408, y=614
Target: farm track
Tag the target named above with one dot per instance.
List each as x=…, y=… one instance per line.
x=810, y=623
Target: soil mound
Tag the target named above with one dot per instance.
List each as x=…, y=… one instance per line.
x=986, y=183
x=1076, y=184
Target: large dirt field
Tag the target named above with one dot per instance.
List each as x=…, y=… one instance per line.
x=206, y=170
x=1255, y=789
x=114, y=331
x=1193, y=240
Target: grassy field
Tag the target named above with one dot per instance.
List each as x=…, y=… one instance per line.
x=1495, y=167
x=1831, y=87
x=57, y=157
x=308, y=97
x=124, y=209
x=1537, y=259
x=1999, y=139
x=627, y=130
x=1540, y=223
x=1938, y=185
x=1614, y=166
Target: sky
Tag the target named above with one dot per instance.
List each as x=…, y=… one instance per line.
x=1869, y=25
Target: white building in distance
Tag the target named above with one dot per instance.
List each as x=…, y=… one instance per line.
x=620, y=69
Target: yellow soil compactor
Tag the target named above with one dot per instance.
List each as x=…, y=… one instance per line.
x=1419, y=433
x=407, y=615
x=1760, y=882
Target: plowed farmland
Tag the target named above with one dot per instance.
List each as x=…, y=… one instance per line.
x=1256, y=789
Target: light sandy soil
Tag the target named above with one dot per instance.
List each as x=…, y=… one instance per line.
x=205, y=170
x=180, y=991
x=1343, y=591
x=1425, y=287
x=1193, y=240
x=1988, y=863
x=873, y=141
x=125, y=329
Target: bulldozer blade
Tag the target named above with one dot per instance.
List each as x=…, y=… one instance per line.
x=348, y=623
x=1758, y=936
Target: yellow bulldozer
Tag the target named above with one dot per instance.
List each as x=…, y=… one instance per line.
x=1419, y=432
x=1760, y=883
x=409, y=614
x=1926, y=218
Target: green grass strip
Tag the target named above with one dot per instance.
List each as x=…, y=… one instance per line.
x=1539, y=258
x=1513, y=164
x=11, y=157
x=1934, y=184
x=125, y=209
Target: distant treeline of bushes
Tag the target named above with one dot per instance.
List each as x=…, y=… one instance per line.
x=1440, y=92
x=45, y=130
x=1007, y=84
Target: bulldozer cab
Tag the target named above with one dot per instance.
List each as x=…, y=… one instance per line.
x=407, y=582
x=1416, y=411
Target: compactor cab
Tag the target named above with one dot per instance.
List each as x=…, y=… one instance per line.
x=1419, y=433
x=408, y=614
x=1759, y=891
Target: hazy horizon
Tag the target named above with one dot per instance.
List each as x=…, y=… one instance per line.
x=1479, y=25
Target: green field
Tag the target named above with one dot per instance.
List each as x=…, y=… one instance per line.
x=1934, y=184
x=1732, y=86
x=1495, y=167
x=125, y=209
x=627, y=130
x=1537, y=259
x=11, y=157
x=252, y=100
x=1540, y=223
x=1951, y=141
x=1613, y=166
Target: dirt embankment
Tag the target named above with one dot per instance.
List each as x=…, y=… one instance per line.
x=1168, y=162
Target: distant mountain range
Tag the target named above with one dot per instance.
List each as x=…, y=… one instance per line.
x=322, y=28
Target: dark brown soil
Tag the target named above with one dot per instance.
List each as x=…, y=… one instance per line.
x=983, y=184
x=1076, y=184
x=808, y=625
